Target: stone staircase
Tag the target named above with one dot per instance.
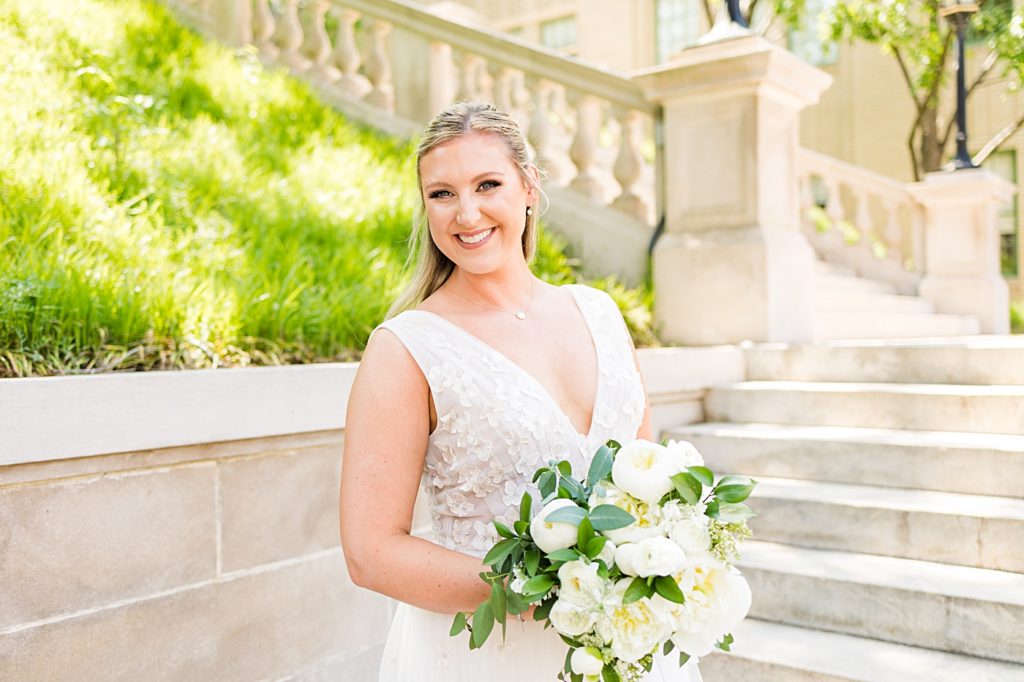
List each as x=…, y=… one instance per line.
x=890, y=538
x=852, y=307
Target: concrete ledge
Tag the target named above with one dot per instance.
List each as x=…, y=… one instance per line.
x=60, y=418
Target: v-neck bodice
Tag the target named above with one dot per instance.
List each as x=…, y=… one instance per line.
x=497, y=424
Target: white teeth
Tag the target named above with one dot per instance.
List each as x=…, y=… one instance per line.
x=476, y=238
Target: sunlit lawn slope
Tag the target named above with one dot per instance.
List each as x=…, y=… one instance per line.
x=166, y=203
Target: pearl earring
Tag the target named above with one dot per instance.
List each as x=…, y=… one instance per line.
x=529, y=210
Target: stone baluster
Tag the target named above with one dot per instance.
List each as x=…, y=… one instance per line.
x=629, y=165
x=378, y=69
x=541, y=132
x=319, y=44
x=346, y=57
x=290, y=38
x=892, y=233
x=807, y=203
x=505, y=82
x=468, y=85
x=836, y=235
x=263, y=29
x=521, y=100
x=583, y=151
x=441, y=89
x=862, y=217
x=484, y=81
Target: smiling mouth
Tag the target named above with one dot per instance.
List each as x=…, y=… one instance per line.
x=476, y=237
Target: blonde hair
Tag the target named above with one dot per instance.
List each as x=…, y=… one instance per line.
x=432, y=267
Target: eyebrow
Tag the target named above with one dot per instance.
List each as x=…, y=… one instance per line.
x=477, y=178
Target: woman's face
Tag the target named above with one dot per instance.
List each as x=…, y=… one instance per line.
x=472, y=190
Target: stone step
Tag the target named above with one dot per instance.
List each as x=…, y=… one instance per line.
x=829, y=281
x=974, y=463
x=974, y=611
x=930, y=407
x=822, y=267
x=890, y=325
x=993, y=359
x=969, y=530
x=773, y=652
x=869, y=302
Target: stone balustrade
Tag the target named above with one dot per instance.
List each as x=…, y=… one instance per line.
x=862, y=219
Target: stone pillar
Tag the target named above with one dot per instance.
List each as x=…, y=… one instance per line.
x=232, y=20
x=961, y=263
x=732, y=263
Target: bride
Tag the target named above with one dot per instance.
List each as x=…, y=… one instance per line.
x=485, y=373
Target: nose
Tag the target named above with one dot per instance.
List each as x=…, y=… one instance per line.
x=468, y=213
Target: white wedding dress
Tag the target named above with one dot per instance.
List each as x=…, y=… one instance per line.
x=496, y=425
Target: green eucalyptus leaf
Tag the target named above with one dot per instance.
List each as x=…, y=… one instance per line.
x=636, y=590
x=500, y=551
x=734, y=511
x=669, y=589
x=459, y=624
x=609, y=517
x=524, y=507
x=532, y=560
x=546, y=483
x=702, y=474
x=600, y=466
x=565, y=468
x=688, y=487
x=733, y=493
x=567, y=514
x=483, y=623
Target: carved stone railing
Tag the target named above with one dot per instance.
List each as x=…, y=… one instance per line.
x=861, y=219
x=591, y=128
x=504, y=12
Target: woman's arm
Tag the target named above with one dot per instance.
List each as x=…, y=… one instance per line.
x=386, y=431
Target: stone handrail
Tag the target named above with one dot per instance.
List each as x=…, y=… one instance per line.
x=862, y=219
x=592, y=128
x=503, y=11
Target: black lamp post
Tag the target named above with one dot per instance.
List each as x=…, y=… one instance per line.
x=959, y=12
x=735, y=13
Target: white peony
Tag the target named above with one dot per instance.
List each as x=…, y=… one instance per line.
x=647, y=516
x=586, y=661
x=550, y=536
x=652, y=556
x=717, y=599
x=642, y=469
x=687, y=526
x=580, y=584
x=633, y=629
x=570, y=619
x=682, y=454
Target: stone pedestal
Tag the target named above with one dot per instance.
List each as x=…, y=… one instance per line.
x=733, y=264
x=962, y=273
x=233, y=19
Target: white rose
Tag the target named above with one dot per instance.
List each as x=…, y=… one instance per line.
x=634, y=629
x=647, y=516
x=682, y=454
x=550, y=536
x=656, y=556
x=570, y=619
x=687, y=526
x=624, y=555
x=642, y=469
x=717, y=599
x=580, y=584
x=607, y=554
x=586, y=661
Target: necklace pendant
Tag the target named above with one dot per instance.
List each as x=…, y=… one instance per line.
x=520, y=315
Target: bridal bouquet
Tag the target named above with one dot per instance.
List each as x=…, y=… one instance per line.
x=636, y=557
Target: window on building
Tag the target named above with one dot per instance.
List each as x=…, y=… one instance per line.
x=1004, y=164
x=559, y=34
x=807, y=42
x=677, y=25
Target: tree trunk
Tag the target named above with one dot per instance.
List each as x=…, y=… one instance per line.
x=932, y=146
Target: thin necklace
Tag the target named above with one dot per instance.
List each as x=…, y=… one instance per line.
x=519, y=314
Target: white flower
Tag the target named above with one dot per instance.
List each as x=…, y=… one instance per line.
x=570, y=619
x=518, y=580
x=687, y=526
x=717, y=599
x=607, y=554
x=580, y=584
x=682, y=454
x=633, y=629
x=586, y=661
x=642, y=469
x=553, y=536
x=652, y=556
x=646, y=515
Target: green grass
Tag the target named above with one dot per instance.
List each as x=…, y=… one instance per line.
x=167, y=203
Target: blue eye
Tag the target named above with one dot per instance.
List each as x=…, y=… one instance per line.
x=438, y=193
x=490, y=182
